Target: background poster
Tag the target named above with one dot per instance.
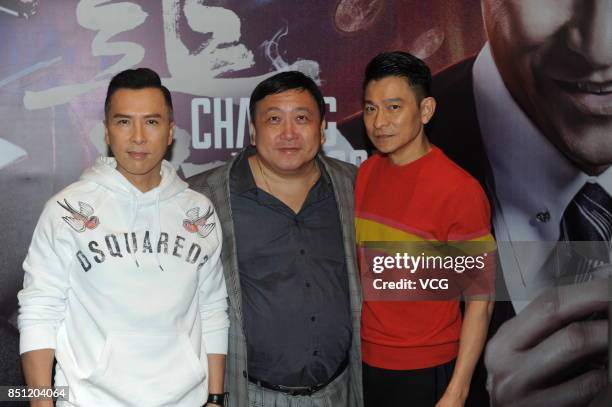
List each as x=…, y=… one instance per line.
x=58, y=56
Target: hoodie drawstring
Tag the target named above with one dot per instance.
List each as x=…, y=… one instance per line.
x=158, y=229
x=105, y=173
x=134, y=202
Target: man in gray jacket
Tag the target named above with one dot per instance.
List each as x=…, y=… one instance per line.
x=288, y=256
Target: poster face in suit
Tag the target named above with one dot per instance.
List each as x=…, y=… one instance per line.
x=530, y=118
x=555, y=60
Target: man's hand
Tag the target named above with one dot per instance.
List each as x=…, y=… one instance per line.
x=541, y=356
x=450, y=400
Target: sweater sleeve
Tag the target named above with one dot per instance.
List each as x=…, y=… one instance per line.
x=471, y=219
x=213, y=299
x=470, y=229
x=42, y=301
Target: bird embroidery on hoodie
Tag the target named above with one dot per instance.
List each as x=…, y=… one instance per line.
x=196, y=223
x=81, y=219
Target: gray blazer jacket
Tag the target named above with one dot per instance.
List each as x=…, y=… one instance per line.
x=215, y=185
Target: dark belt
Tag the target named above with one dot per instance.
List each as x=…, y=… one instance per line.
x=300, y=390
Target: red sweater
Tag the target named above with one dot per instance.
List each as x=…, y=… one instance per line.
x=428, y=199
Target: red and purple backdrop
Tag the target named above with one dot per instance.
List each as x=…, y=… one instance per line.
x=58, y=56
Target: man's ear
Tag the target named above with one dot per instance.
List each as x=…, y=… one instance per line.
x=428, y=107
x=252, y=132
x=171, y=133
x=323, y=125
x=106, y=137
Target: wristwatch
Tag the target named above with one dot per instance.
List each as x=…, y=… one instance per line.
x=218, y=399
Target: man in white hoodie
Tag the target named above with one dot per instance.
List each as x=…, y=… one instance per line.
x=123, y=282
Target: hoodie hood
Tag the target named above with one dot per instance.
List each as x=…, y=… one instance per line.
x=104, y=172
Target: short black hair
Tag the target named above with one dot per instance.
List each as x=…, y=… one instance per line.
x=282, y=82
x=403, y=65
x=140, y=78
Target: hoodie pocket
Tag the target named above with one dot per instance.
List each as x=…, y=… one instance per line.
x=153, y=367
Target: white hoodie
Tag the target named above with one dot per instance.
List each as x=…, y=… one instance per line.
x=128, y=288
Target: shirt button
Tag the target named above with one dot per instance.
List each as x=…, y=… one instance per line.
x=307, y=285
x=315, y=353
x=302, y=251
x=313, y=319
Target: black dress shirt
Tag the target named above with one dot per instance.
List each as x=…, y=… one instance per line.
x=293, y=279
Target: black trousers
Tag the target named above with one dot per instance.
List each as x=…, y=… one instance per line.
x=399, y=388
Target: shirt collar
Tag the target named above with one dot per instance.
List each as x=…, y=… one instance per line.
x=241, y=177
x=530, y=176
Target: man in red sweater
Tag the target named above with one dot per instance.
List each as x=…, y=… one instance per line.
x=416, y=353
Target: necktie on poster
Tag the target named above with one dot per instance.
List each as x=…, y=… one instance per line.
x=587, y=227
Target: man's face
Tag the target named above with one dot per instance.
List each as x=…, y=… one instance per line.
x=393, y=118
x=287, y=130
x=555, y=57
x=138, y=131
